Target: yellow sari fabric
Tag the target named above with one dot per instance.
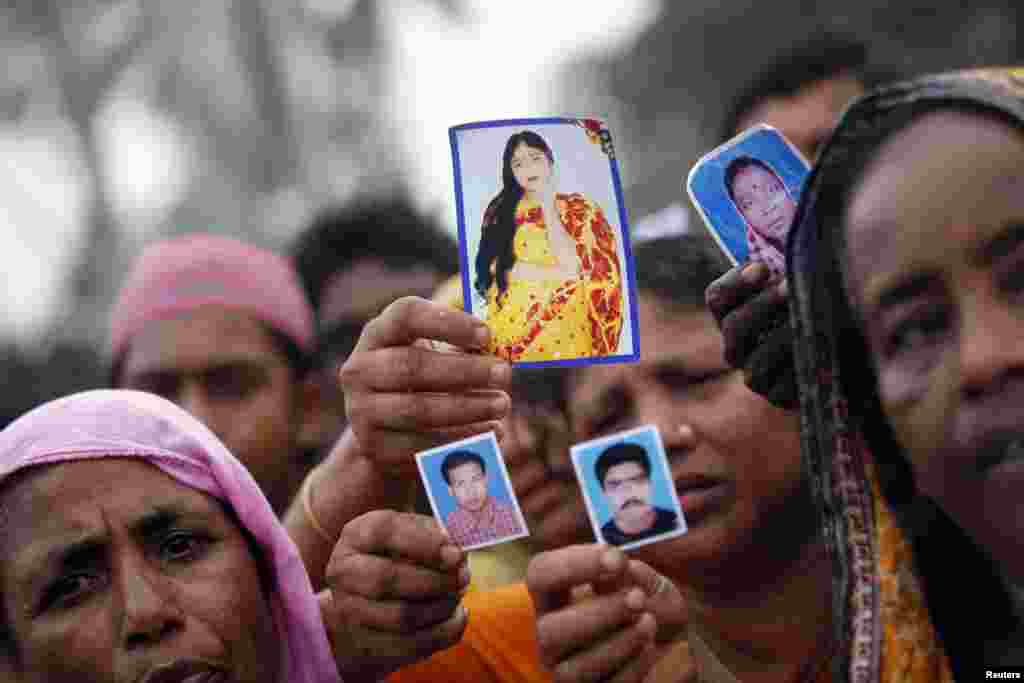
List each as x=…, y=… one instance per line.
x=543, y=320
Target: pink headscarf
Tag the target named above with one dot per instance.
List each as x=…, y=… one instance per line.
x=132, y=424
x=183, y=273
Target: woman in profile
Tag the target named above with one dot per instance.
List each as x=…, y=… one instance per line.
x=547, y=265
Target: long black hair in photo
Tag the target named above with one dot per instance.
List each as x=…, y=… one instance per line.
x=499, y=225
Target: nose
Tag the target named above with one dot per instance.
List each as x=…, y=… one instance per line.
x=150, y=614
x=991, y=345
x=193, y=398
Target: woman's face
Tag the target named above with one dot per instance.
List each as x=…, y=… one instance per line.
x=763, y=200
x=531, y=168
x=935, y=249
x=112, y=570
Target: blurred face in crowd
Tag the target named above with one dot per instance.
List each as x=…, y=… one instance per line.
x=935, y=253
x=468, y=485
x=737, y=476
x=807, y=118
x=224, y=367
x=762, y=198
x=628, y=489
x=351, y=299
x=531, y=168
x=112, y=570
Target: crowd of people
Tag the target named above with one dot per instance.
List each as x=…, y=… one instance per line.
x=845, y=440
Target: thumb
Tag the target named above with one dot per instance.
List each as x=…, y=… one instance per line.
x=663, y=599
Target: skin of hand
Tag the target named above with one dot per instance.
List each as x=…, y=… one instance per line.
x=602, y=616
x=394, y=585
x=536, y=450
x=403, y=395
x=752, y=311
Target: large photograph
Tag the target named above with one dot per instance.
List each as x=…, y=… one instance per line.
x=543, y=240
x=747, y=191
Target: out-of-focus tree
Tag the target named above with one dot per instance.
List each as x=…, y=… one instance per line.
x=245, y=115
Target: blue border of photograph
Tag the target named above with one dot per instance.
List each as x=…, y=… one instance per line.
x=704, y=183
x=428, y=463
x=664, y=494
x=627, y=251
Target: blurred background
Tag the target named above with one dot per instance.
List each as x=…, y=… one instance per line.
x=124, y=120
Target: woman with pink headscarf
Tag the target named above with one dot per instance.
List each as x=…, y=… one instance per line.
x=135, y=547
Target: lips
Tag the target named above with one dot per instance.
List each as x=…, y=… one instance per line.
x=186, y=671
x=999, y=449
x=697, y=494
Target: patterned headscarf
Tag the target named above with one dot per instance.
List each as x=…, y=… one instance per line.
x=132, y=424
x=883, y=574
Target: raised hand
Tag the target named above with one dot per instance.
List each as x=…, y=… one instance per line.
x=752, y=311
x=403, y=396
x=394, y=584
x=601, y=616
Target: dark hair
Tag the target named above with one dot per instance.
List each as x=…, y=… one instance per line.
x=678, y=269
x=965, y=620
x=822, y=58
x=617, y=455
x=388, y=230
x=499, y=225
x=458, y=459
x=739, y=164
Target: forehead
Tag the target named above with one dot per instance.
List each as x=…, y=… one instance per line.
x=466, y=470
x=348, y=298
x=964, y=190
x=197, y=338
x=751, y=175
x=51, y=503
x=625, y=470
x=687, y=336
x=524, y=150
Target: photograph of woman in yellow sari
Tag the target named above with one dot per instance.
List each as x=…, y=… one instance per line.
x=548, y=266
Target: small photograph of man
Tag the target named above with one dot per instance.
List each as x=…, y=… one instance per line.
x=470, y=492
x=628, y=488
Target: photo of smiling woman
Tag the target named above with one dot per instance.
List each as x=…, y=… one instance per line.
x=547, y=266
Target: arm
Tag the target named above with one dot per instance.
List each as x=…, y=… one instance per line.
x=401, y=397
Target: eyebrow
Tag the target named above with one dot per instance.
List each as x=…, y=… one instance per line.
x=87, y=550
x=1007, y=238
x=610, y=395
x=905, y=288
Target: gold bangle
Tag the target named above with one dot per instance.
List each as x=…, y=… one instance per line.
x=307, y=508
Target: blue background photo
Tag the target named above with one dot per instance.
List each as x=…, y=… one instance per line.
x=663, y=492
x=707, y=183
x=496, y=485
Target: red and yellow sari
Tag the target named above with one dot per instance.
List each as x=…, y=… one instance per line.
x=544, y=320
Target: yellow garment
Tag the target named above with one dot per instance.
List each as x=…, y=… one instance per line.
x=499, y=565
x=910, y=646
x=539, y=320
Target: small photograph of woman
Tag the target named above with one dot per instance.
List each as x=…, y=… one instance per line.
x=547, y=269
x=761, y=197
x=747, y=192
